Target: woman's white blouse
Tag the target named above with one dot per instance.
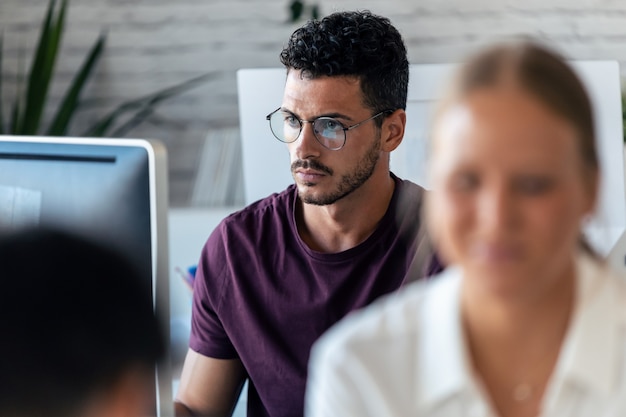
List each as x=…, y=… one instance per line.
x=405, y=355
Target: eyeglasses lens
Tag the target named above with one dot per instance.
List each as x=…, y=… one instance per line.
x=328, y=131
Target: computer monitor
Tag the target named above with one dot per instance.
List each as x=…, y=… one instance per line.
x=266, y=161
x=112, y=191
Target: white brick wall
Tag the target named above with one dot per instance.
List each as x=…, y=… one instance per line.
x=157, y=43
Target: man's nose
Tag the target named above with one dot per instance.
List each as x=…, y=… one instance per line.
x=306, y=143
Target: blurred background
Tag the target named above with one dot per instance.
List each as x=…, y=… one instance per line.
x=154, y=44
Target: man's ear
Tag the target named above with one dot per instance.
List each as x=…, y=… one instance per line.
x=393, y=130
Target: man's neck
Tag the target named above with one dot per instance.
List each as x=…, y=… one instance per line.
x=348, y=222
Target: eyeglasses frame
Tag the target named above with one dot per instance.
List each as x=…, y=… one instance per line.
x=344, y=128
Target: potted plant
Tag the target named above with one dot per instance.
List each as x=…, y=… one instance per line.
x=28, y=106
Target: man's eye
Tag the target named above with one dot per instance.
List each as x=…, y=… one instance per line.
x=330, y=125
x=292, y=121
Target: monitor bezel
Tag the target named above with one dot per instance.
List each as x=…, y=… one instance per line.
x=158, y=194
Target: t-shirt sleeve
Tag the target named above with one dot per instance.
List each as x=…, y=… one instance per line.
x=208, y=335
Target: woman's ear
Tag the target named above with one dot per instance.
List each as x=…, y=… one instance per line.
x=393, y=130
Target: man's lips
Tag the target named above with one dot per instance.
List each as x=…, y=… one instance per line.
x=309, y=174
x=309, y=170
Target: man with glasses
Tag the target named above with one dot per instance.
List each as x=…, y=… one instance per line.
x=274, y=276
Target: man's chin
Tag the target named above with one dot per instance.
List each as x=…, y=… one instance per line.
x=309, y=198
x=317, y=199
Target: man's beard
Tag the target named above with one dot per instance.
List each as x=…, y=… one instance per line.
x=349, y=182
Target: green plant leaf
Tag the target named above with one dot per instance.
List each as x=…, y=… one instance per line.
x=296, y=7
x=138, y=118
x=2, y=130
x=30, y=100
x=315, y=12
x=17, y=108
x=42, y=69
x=15, y=116
x=143, y=107
x=68, y=106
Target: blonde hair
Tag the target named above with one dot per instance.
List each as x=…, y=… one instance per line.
x=539, y=71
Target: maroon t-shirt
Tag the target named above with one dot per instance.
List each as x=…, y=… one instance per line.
x=263, y=296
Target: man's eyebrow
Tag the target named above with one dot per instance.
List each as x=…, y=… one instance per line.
x=334, y=115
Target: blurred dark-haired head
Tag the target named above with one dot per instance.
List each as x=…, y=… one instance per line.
x=76, y=319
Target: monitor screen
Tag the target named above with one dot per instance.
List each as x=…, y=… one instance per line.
x=113, y=191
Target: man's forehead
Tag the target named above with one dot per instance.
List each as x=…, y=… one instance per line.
x=322, y=96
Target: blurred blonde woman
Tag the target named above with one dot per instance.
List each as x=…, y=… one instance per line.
x=527, y=321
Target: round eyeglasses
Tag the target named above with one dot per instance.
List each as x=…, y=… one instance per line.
x=328, y=131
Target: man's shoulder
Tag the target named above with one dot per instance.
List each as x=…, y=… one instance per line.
x=406, y=205
x=237, y=237
x=408, y=190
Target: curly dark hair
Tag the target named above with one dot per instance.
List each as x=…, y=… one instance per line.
x=359, y=44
